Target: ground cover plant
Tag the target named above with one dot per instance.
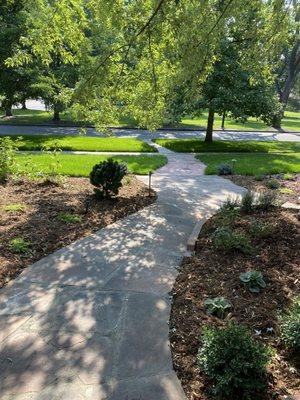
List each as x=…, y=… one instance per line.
x=53, y=216
x=81, y=164
x=226, y=146
x=263, y=305
x=83, y=143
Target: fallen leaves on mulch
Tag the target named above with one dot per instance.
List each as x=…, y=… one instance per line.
x=39, y=222
x=212, y=273
x=289, y=190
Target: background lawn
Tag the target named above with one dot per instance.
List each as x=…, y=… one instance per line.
x=291, y=121
x=223, y=146
x=84, y=143
x=81, y=165
x=253, y=164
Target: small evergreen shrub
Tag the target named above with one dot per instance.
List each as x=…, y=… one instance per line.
x=247, y=202
x=290, y=326
x=261, y=229
x=234, y=361
x=107, y=178
x=273, y=184
x=253, y=280
x=225, y=169
x=224, y=238
x=267, y=200
x=217, y=306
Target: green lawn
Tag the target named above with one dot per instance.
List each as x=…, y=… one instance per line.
x=253, y=164
x=291, y=122
x=81, y=164
x=84, y=143
x=222, y=146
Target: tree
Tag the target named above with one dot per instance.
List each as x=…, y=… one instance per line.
x=14, y=82
x=289, y=68
x=231, y=90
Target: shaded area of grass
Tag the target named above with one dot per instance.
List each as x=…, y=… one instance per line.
x=223, y=146
x=253, y=164
x=290, y=122
x=81, y=164
x=84, y=143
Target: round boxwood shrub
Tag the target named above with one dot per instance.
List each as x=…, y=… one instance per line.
x=107, y=178
x=234, y=362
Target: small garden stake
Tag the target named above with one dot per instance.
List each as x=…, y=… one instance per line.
x=150, y=175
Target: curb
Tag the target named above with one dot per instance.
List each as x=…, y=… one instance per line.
x=193, y=238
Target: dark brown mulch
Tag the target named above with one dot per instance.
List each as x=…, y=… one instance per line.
x=40, y=225
x=212, y=273
x=290, y=186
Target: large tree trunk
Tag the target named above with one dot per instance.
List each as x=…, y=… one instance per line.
x=24, y=105
x=56, y=117
x=223, y=120
x=8, y=111
x=210, y=125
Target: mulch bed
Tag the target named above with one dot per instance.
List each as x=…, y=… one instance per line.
x=211, y=273
x=293, y=186
x=40, y=224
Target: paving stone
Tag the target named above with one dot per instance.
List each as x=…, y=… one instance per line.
x=11, y=323
x=144, y=346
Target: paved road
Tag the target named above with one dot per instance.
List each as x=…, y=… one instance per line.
x=146, y=135
x=90, y=322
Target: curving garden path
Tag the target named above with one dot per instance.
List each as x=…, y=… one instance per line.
x=90, y=322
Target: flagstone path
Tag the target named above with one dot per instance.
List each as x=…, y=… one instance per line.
x=90, y=322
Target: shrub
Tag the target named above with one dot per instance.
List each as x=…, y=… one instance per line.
x=234, y=362
x=247, y=202
x=8, y=149
x=290, y=326
x=253, y=280
x=261, y=230
x=224, y=238
x=273, y=184
x=19, y=246
x=267, y=200
x=217, y=306
x=225, y=169
x=53, y=175
x=71, y=218
x=288, y=177
x=107, y=178
x=259, y=177
x=286, y=191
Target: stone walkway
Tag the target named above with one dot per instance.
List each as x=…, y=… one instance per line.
x=90, y=322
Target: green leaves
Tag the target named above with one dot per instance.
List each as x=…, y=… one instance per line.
x=253, y=280
x=217, y=306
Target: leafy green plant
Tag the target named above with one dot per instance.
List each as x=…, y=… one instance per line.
x=247, y=202
x=267, y=200
x=234, y=362
x=225, y=169
x=272, y=184
x=107, y=178
x=224, y=238
x=259, y=177
x=14, y=208
x=217, y=306
x=286, y=191
x=261, y=229
x=54, y=167
x=288, y=177
x=290, y=326
x=253, y=280
x=71, y=218
x=19, y=245
x=8, y=148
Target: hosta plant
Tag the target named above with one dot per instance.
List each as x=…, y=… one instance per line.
x=253, y=280
x=217, y=306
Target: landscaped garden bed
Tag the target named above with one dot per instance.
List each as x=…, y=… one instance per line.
x=264, y=239
x=36, y=218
